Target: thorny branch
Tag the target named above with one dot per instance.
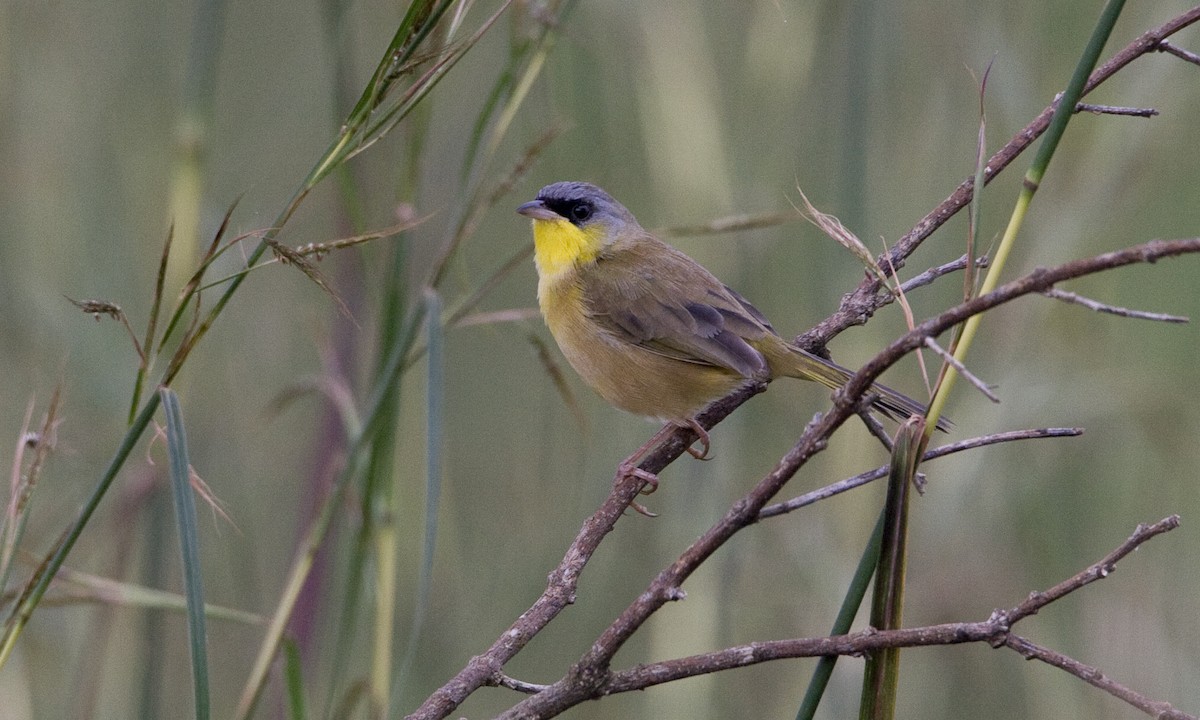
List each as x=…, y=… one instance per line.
x=591, y=672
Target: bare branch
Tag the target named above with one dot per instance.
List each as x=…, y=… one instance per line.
x=584, y=683
x=665, y=587
x=1111, y=309
x=842, y=486
x=932, y=274
x=502, y=680
x=1178, y=52
x=855, y=309
x=980, y=385
x=1097, y=571
x=1094, y=677
x=1116, y=110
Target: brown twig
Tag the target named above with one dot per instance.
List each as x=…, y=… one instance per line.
x=502, y=680
x=927, y=277
x=1158, y=709
x=1180, y=53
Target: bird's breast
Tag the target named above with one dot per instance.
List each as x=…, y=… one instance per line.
x=627, y=375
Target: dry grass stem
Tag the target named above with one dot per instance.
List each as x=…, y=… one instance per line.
x=96, y=308
x=730, y=223
x=834, y=228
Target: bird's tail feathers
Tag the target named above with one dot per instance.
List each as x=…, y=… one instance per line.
x=892, y=403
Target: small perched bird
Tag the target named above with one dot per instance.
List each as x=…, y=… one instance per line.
x=650, y=329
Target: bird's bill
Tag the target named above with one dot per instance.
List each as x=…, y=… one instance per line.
x=537, y=210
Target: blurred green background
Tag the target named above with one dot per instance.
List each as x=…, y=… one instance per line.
x=686, y=112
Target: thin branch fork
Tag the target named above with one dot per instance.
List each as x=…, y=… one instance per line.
x=1116, y=110
x=979, y=385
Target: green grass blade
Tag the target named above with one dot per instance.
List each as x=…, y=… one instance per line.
x=882, y=674
x=144, y=366
x=380, y=510
x=1070, y=98
x=435, y=423
x=76, y=588
x=418, y=21
x=380, y=396
x=338, y=151
x=294, y=677
x=377, y=512
x=512, y=85
x=341, y=660
x=189, y=546
x=975, y=210
x=845, y=618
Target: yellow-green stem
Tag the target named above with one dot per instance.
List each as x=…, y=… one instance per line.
x=1033, y=178
x=990, y=281
x=385, y=612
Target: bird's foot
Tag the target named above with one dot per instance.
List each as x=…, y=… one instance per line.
x=626, y=469
x=702, y=438
x=649, y=480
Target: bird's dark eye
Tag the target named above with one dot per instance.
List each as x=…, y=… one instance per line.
x=580, y=212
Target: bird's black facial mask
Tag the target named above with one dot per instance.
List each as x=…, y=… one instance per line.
x=575, y=211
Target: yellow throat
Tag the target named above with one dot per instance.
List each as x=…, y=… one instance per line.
x=560, y=247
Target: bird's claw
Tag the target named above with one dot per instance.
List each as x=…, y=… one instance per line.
x=650, y=484
x=702, y=438
x=647, y=477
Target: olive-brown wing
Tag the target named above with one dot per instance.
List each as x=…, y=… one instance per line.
x=653, y=296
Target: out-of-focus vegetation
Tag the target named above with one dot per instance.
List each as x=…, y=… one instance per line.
x=686, y=112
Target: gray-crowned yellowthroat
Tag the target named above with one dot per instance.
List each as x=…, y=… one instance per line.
x=647, y=327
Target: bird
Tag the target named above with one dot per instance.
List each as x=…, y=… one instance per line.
x=651, y=330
